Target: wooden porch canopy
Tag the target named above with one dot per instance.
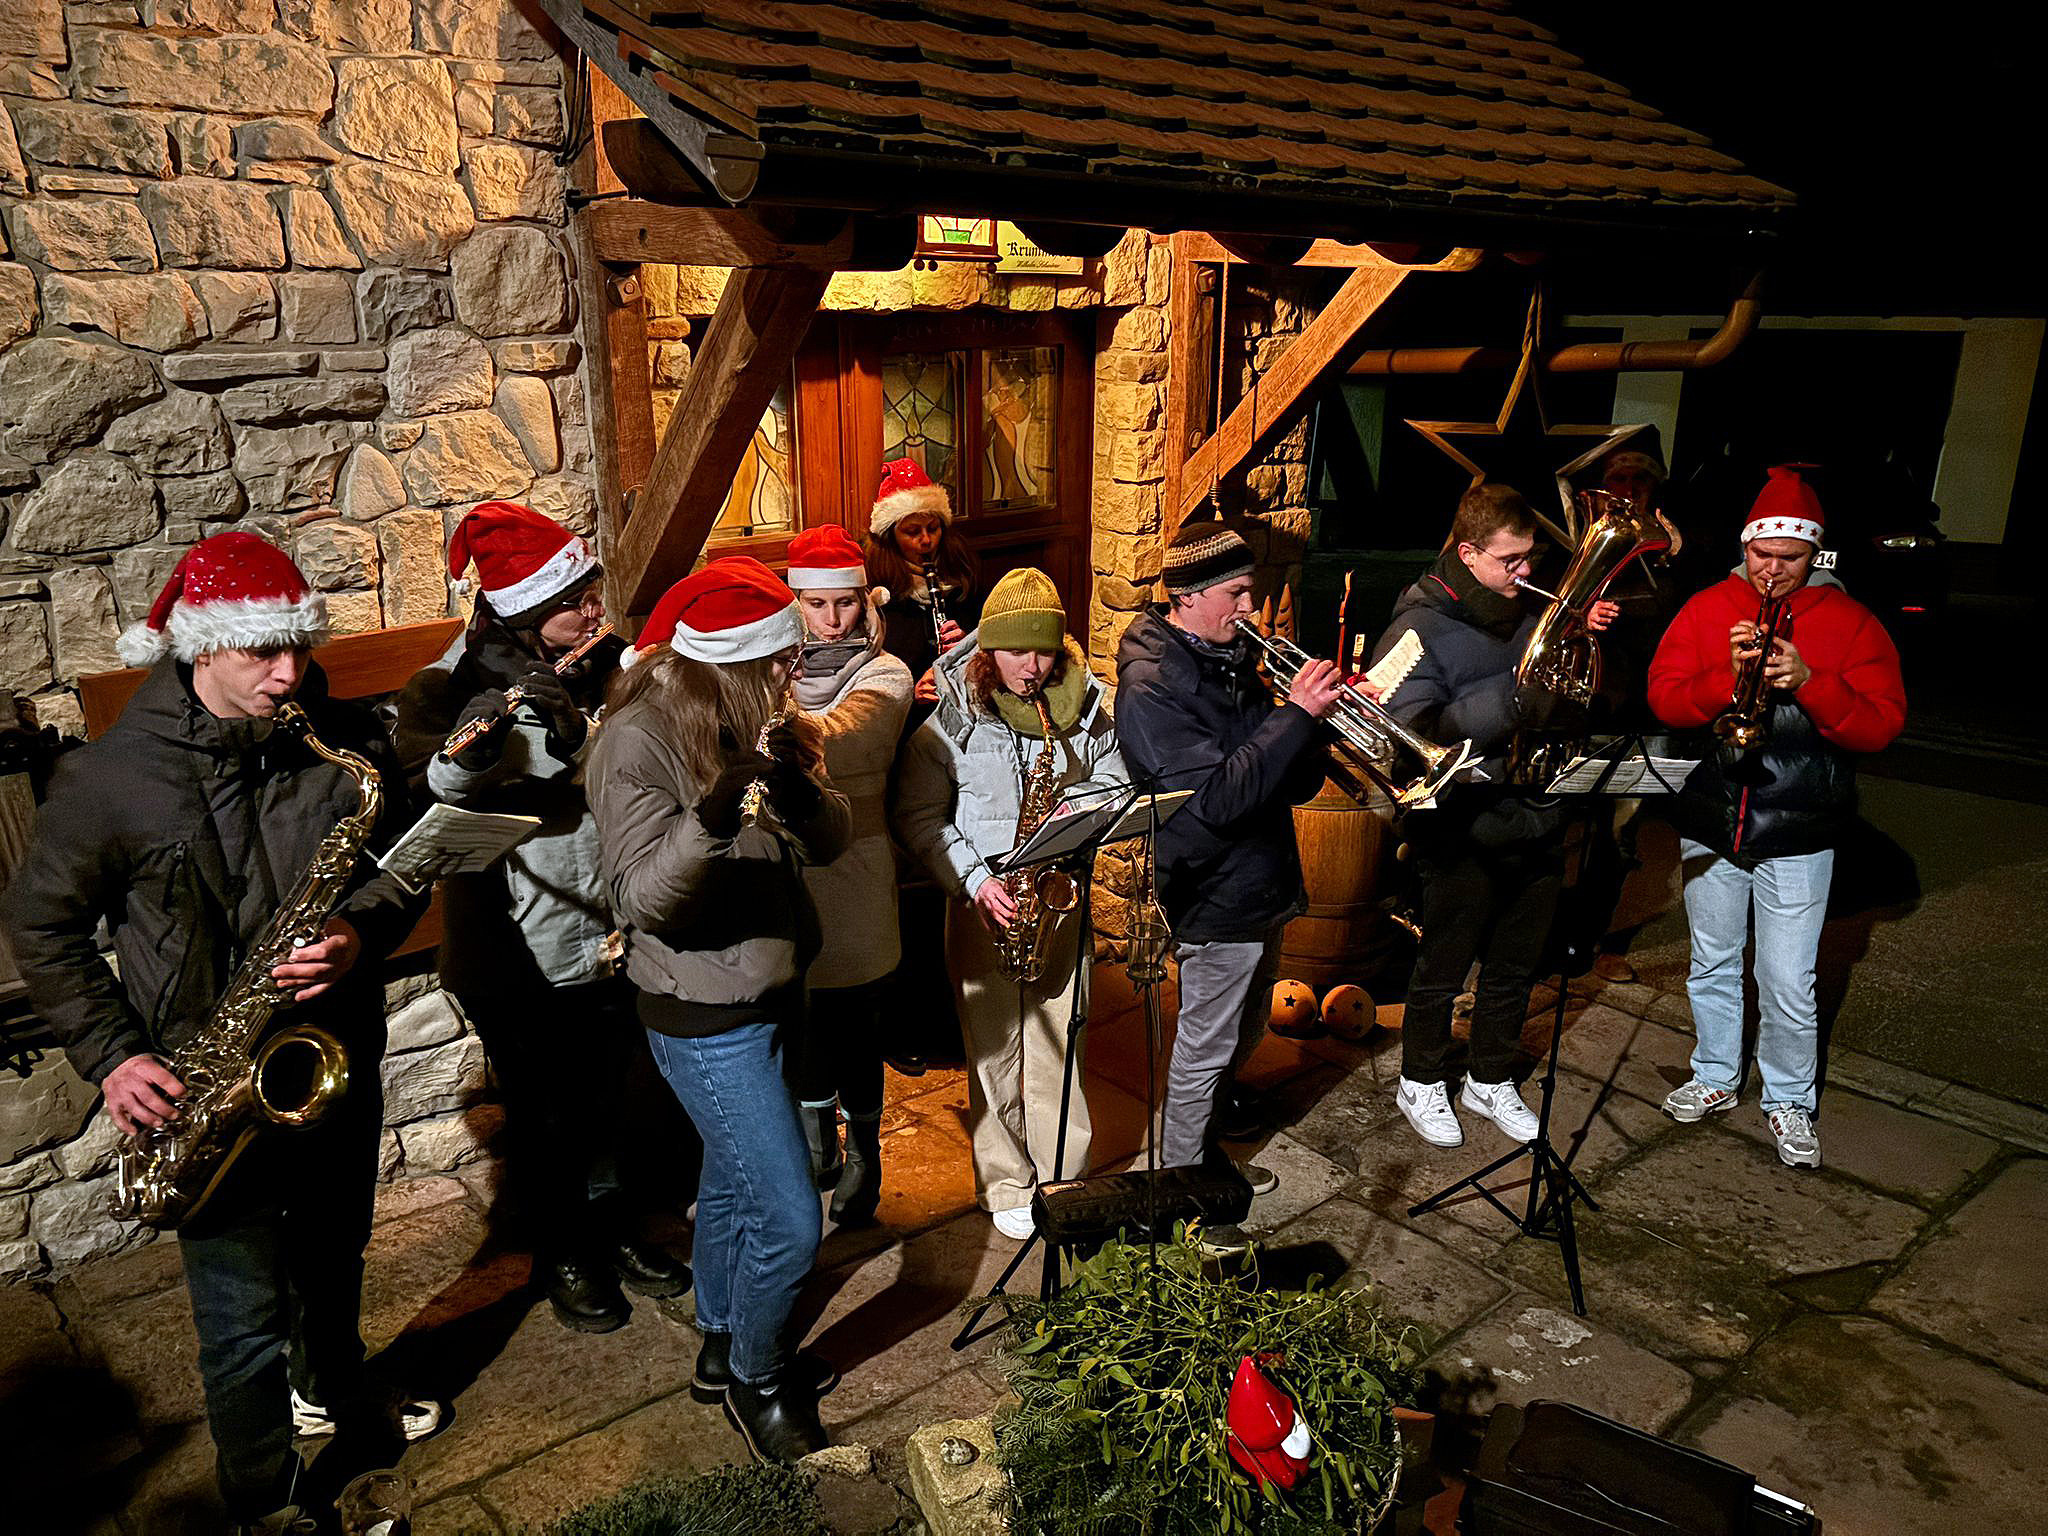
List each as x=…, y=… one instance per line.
x=1269, y=123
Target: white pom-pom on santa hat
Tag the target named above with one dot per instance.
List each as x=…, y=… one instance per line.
x=905, y=491
x=522, y=557
x=234, y=591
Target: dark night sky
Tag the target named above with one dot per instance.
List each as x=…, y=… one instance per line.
x=1912, y=136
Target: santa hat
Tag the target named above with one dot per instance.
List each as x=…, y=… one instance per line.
x=735, y=609
x=522, y=558
x=1786, y=508
x=1267, y=1435
x=232, y=591
x=905, y=491
x=825, y=556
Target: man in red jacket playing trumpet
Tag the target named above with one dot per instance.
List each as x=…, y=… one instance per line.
x=1760, y=827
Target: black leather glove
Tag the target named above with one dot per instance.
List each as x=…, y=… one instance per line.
x=794, y=791
x=485, y=750
x=719, y=810
x=566, y=724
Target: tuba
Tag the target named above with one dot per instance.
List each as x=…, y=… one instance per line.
x=237, y=1077
x=1043, y=894
x=1562, y=657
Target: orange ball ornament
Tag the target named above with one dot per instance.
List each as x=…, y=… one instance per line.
x=1348, y=1012
x=1294, y=1013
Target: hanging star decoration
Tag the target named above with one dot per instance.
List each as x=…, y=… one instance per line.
x=1521, y=444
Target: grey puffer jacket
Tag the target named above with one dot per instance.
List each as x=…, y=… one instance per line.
x=547, y=895
x=856, y=892
x=707, y=919
x=961, y=780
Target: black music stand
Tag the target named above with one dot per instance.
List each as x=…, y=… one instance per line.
x=1051, y=846
x=1553, y=1187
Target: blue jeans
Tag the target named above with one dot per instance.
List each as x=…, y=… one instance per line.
x=1790, y=896
x=758, y=1220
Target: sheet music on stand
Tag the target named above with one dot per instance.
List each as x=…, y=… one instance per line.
x=1623, y=765
x=1090, y=817
x=451, y=841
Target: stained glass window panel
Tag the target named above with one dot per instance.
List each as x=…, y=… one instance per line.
x=1019, y=398
x=921, y=413
x=763, y=496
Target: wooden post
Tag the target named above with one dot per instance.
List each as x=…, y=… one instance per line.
x=1190, y=368
x=746, y=354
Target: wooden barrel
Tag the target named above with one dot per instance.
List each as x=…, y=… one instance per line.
x=1346, y=849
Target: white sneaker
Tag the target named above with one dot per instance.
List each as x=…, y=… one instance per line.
x=1428, y=1108
x=1798, y=1142
x=1502, y=1104
x=1014, y=1223
x=413, y=1417
x=1261, y=1178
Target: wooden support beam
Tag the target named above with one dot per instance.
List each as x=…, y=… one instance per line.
x=1271, y=406
x=628, y=229
x=746, y=353
x=1325, y=253
x=1190, y=364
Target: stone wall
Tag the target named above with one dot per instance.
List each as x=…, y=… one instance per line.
x=291, y=265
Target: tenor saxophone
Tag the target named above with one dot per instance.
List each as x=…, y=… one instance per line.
x=239, y=1075
x=1043, y=894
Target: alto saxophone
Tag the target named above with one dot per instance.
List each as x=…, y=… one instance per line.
x=238, y=1076
x=1043, y=894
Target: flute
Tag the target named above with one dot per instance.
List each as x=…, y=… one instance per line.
x=483, y=725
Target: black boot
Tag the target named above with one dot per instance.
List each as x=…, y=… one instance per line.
x=821, y=1136
x=859, y=1193
x=712, y=1377
x=779, y=1419
x=584, y=1295
x=646, y=1270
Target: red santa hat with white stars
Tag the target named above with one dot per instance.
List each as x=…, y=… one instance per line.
x=735, y=609
x=906, y=490
x=1786, y=508
x=234, y=591
x=522, y=558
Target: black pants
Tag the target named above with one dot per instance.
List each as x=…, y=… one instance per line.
x=274, y=1268
x=581, y=1095
x=1493, y=905
x=838, y=1050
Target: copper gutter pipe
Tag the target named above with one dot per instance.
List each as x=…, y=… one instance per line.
x=1584, y=357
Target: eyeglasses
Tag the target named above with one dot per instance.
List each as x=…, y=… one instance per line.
x=1524, y=562
x=590, y=600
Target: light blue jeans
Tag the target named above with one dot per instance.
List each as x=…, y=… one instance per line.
x=1790, y=896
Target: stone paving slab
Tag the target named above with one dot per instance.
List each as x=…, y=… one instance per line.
x=1978, y=1282
x=149, y=1346
x=416, y=1261
x=2021, y=1124
x=459, y=1516
x=1727, y=1198
x=1307, y=1179
x=1417, y=1279
x=1636, y=1056
x=1693, y=1311
x=122, y=1277
x=1883, y=1434
x=676, y=1436
x=962, y=1393
x=1526, y=1348
x=173, y=1492
x=536, y=1384
x=1900, y=1152
x=888, y=1322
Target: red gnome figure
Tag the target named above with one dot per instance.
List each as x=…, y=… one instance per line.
x=1268, y=1435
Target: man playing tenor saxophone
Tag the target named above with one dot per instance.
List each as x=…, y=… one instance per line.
x=1019, y=722
x=184, y=829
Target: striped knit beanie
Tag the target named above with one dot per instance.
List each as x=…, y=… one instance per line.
x=1203, y=554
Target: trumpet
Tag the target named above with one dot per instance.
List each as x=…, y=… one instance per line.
x=1369, y=739
x=483, y=725
x=1747, y=719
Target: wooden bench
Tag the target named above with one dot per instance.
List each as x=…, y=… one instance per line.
x=357, y=667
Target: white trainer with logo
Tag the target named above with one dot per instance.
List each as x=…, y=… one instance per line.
x=1502, y=1104
x=1428, y=1108
x=1798, y=1142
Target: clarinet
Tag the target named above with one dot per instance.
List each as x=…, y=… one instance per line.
x=933, y=591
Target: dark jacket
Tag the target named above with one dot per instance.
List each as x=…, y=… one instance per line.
x=1200, y=718
x=1796, y=793
x=1464, y=686
x=538, y=916
x=907, y=635
x=183, y=833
